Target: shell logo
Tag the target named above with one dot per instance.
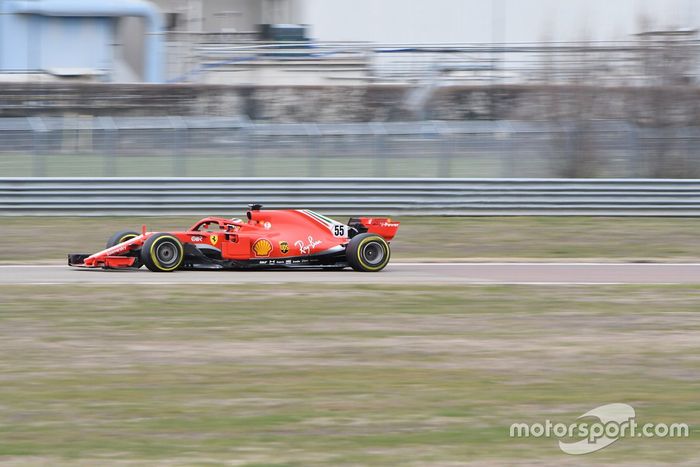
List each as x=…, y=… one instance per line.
x=262, y=247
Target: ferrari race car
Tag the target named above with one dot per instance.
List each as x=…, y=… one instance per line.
x=267, y=239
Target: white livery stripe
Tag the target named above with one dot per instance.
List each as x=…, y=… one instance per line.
x=310, y=215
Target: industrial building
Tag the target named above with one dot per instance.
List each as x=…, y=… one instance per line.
x=439, y=21
x=220, y=41
x=229, y=16
x=352, y=42
x=78, y=38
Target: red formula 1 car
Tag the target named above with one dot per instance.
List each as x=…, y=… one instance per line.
x=267, y=239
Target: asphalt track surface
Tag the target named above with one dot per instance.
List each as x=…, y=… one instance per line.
x=396, y=273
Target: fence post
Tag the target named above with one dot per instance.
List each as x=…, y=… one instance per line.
x=379, y=133
x=108, y=149
x=249, y=165
x=635, y=160
x=179, y=127
x=445, y=166
x=690, y=162
x=313, y=142
x=38, y=146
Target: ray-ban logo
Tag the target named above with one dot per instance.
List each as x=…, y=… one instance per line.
x=597, y=429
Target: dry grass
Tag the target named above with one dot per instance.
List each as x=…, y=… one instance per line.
x=419, y=237
x=349, y=375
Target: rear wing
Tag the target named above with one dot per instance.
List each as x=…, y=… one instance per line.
x=383, y=226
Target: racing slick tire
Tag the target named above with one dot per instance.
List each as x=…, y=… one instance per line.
x=162, y=252
x=123, y=236
x=368, y=252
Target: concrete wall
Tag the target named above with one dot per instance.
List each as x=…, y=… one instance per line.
x=679, y=106
x=221, y=15
x=130, y=42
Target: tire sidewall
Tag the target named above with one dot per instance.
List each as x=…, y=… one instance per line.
x=355, y=249
x=149, y=257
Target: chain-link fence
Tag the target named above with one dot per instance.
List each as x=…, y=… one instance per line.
x=232, y=147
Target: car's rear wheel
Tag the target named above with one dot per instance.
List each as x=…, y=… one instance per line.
x=368, y=252
x=124, y=236
x=162, y=253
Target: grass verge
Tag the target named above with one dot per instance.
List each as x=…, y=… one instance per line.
x=371, y=375
x=51, y=238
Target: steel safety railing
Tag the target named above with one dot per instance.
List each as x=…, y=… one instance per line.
x=351, y=196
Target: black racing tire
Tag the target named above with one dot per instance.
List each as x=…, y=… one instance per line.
x=162, y=252
x=122, y=236
x=368, y=252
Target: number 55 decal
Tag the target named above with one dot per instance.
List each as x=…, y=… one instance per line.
x=340, y=230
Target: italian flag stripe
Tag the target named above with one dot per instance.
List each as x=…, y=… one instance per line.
x=312, y=216
x=327, y=219
x=324, y=220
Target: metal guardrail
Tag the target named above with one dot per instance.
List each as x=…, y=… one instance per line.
x=366, y=196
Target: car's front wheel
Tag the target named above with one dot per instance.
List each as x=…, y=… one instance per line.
x=162, y=252
x=368, y=252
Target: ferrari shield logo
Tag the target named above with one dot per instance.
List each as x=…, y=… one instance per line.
x=213, y=239
x=262, y=247
x=284, y=248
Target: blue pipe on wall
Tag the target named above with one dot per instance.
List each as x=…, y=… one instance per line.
x=153, y=60
x=2, y=26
